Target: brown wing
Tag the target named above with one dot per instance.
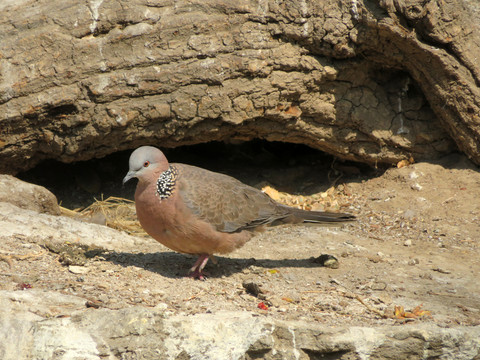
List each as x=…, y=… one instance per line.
x=226, y=203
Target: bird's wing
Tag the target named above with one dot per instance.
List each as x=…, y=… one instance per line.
x=224, y=202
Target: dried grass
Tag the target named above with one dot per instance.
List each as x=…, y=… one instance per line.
x=119, y=213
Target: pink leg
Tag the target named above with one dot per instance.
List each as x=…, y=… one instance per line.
x=196, y=270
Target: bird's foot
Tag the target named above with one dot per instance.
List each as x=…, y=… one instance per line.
x=197, y=274
x=196, y=271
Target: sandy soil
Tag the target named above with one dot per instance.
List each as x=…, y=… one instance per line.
x=416, y=242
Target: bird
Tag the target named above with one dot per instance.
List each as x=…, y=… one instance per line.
x=195, y=211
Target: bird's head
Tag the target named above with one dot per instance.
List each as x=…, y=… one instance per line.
x=145, y=162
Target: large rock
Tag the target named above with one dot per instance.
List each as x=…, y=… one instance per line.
x=45, y=228
x=360, y=80
x=66, y=329
x=27, y=196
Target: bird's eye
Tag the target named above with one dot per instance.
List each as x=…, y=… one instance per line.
x=146, y=163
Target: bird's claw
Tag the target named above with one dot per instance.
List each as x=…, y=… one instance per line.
x=197, y=274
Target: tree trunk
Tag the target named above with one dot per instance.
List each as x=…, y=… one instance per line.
x=372, y=81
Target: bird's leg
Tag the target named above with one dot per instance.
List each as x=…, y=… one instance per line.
x=196, y=270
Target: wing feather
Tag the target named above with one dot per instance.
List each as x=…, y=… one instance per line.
x=223, y=201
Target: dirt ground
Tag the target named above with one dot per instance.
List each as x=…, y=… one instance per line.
x=415, y=243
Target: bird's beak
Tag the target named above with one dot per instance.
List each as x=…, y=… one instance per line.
x=131, y=174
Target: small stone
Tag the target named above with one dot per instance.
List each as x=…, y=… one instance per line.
x=74, y=269
x=412, y=262
x=326, y=260
x=161, y=306
x=104, y=298
x=276, y=302
x=441, y=270
x=408, y=243
x=413, y=175
x=416, y=187
x=157, y=292
x=375, y=258
x=378, y=286
x=252, y=289
x=92, y=304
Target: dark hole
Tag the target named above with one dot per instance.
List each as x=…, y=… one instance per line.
x=334, y=355
x=293, y=168
x=62, y=110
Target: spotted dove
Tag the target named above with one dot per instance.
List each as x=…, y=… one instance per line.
x=195, y=211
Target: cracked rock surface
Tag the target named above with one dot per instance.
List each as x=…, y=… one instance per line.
x=375, y=82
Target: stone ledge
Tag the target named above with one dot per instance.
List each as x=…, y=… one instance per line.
x=45, y=325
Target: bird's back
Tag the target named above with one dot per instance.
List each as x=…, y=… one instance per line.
x=226, y=203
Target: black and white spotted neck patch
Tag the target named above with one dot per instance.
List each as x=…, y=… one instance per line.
x=166, y=182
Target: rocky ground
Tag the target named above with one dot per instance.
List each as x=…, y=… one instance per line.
x=415, y=246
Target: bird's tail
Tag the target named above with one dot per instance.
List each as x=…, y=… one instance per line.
x=299, y=215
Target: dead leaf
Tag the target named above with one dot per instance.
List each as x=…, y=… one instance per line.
x=402, y=163
x=400, y=313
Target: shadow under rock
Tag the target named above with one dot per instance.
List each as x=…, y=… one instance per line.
x=175, y=265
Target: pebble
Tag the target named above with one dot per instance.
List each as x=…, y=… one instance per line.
x=104, y=298
x=441, y=270
x=378, y=286
x=413, y=175
x=328, y=261
x=407, y=242
x=413, y=262
x=416, y=187
x=75, y=269
x=157, y=292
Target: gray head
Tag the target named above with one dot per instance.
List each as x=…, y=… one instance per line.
x=145, y=162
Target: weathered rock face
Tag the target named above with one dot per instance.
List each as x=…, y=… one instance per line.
x=363, y=81
x=27, y=196
x=47, y=325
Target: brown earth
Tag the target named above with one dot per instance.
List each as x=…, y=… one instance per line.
x=415, y=243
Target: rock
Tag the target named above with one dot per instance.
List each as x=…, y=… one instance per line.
x=413, y=262
x=75, y=269
x=83, y=80
x=27, y=196
x=327, y=260
x=31, y=330
x=49, y=229
x=416, y=187
x=253, y=289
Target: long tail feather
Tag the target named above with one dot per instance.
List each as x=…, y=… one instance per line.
x=320, y=216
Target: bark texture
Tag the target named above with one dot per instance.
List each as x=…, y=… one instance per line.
x=373, y=81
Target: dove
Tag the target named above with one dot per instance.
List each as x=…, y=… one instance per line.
x=196, y=211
